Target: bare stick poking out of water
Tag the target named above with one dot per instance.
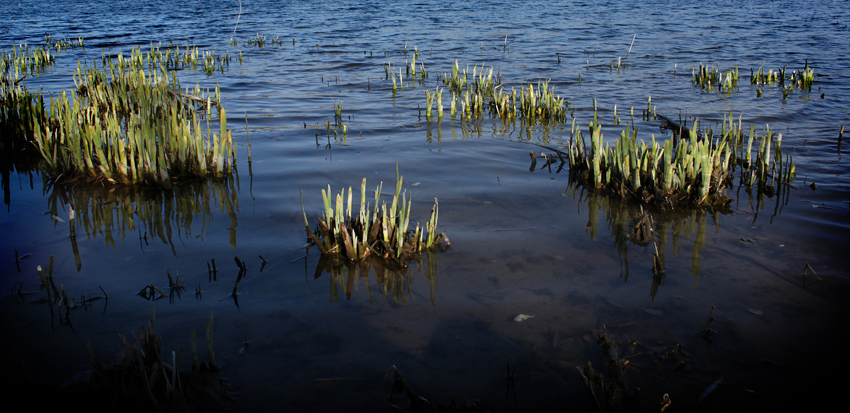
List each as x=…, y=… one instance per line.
x=630, y=46
x=237, y=18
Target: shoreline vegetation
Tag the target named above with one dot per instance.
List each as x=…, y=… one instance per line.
x=128, y=123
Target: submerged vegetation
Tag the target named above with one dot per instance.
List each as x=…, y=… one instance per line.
x=149, y=214
x=390, y=282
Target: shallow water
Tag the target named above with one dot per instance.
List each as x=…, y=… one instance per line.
x=522, y=242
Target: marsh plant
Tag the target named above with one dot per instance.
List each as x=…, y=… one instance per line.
x=130, y=126
x=801, y=79
x=474, y=92
x=150, y=379
x=691, y=168
x=711, y=78
x=128, y=123
x=379, y=233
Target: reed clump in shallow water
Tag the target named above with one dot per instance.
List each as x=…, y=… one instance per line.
x=125, y=124
x=802, y=79
x=130, y=126
x=539, y=105
x=479, y=91
x=708, y=78
x=381, y=233
x=694, y=169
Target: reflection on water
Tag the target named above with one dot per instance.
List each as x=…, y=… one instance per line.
x=148, y=212
x=632, y=224
x=395, y=282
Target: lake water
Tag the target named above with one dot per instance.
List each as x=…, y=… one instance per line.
x=522, y=242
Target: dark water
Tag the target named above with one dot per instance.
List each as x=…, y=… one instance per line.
x=522, y=242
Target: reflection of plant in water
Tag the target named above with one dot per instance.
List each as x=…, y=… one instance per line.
x=629, y=223
x=117, y=210
x=59, y=301
x=395, y=282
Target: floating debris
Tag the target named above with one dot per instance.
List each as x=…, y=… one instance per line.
x=522, y=317
x=401, y=386
x=706, y=331
x=710, y=389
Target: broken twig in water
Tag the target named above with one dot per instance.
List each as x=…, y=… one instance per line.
x=806, y=273
x=400, y=385
x=706, y=331
x=630, y=46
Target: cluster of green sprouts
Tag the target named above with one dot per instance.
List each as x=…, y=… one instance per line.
x=479, y=91
x=173, y=58
x=708, y=78
x=380, y=232
x=695, y=168
x=123, y=124
x=25, y=61
x=798, y=79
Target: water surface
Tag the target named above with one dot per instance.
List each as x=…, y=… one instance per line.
x=523, y=242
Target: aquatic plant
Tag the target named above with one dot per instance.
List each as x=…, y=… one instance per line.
x=479, y=91
x=802, y=79
x=128, y=123
x=693, y=170
x=130, y=126
x=381, y=233
x=708, y=78
x=535, y=106
x=145, y=376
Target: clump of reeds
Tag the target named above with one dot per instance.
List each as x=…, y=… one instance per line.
x=540, y=105
x=17, y=108
x=259, y=40
x=802, y=79
x=689, y=168
x=127, y=125
x=708, y=78
x=377, y=232
x=477, y=91
x=171, y=58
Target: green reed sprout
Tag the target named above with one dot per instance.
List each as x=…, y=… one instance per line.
x=375, y=232
x=691, y=167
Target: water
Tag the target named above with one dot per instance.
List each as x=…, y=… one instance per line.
x=522, y=242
